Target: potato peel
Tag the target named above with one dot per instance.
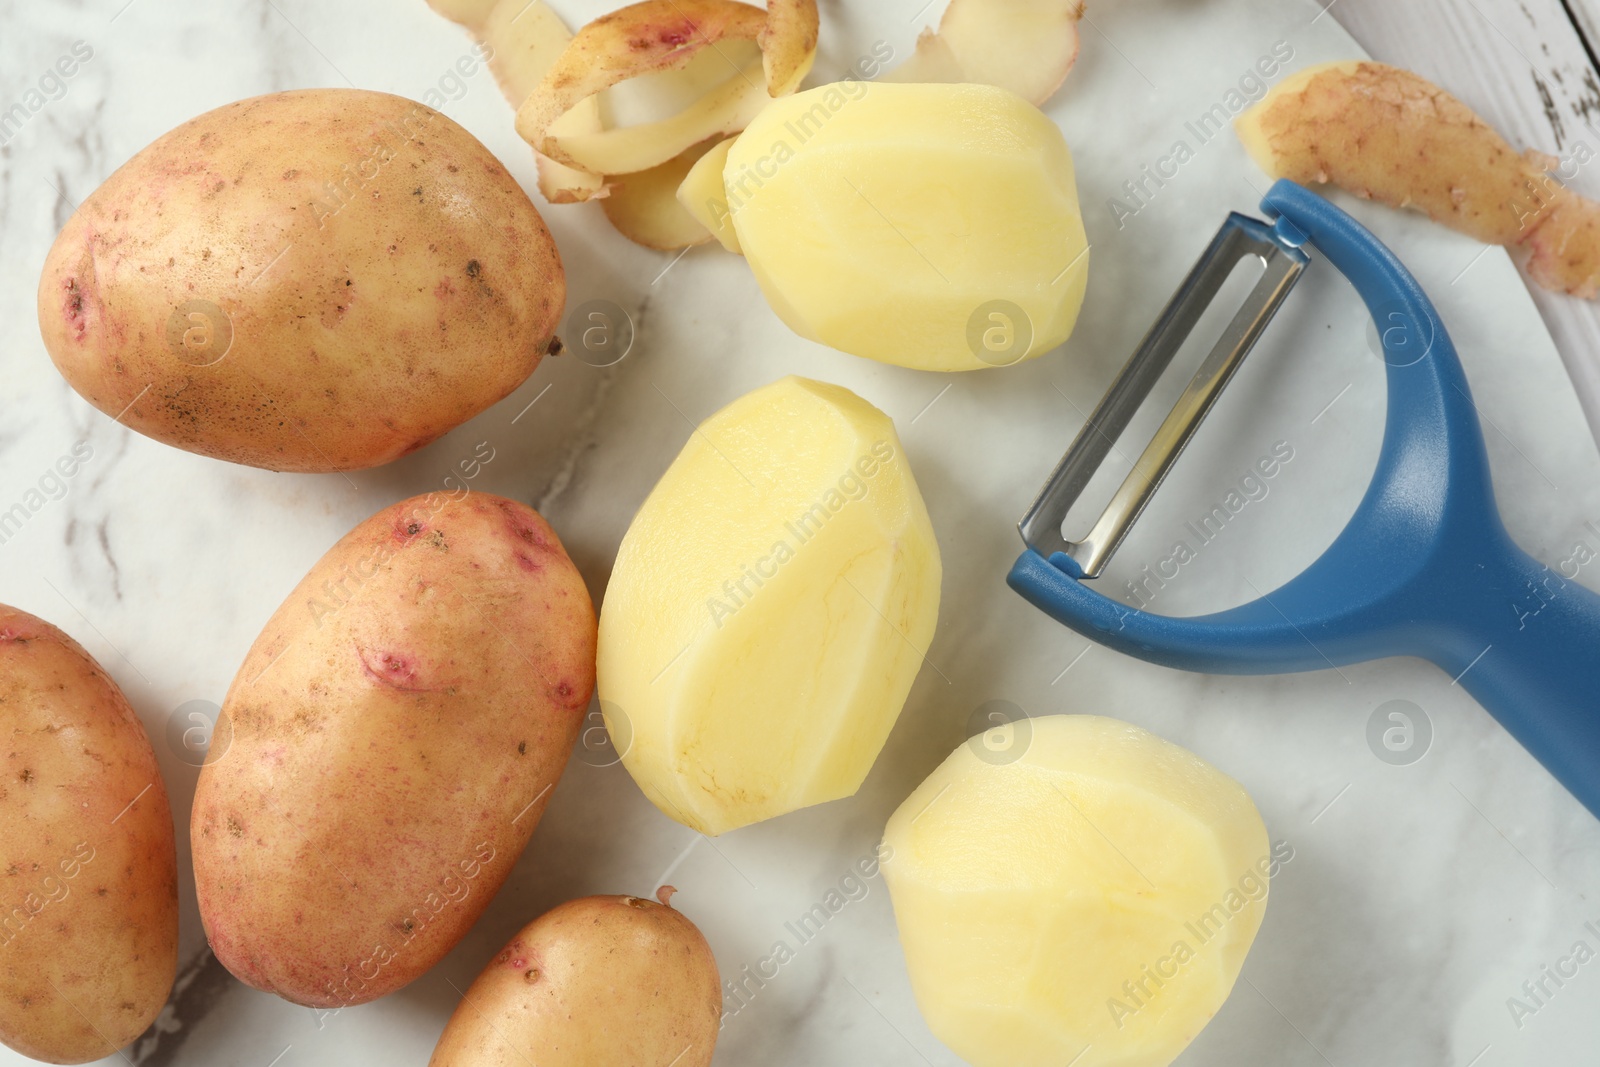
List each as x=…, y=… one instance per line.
x=555, y=80
x=563, y=184
x=469, y=13
x=788, y=43
x=704, y=195
x=724, y=110
x=1389, y=135
x=1027, y=46
x=644, y=206
x=524, y=41
x=527, y=39
x=643, y=38
x=655, y=37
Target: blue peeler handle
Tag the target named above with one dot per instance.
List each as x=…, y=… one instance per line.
x=1424, y=568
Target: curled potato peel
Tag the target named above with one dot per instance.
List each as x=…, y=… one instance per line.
x=470, y=13
x=524, y=40
x=657, y=36
x=726, y=109
x=788, y=43
x=558, y=80
x=1027, y=46
x=527, y=40
x=644, y=38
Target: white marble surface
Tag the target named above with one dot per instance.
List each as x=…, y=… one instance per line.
x=1421, y=897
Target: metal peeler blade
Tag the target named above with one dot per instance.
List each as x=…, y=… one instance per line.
x=1240, y=237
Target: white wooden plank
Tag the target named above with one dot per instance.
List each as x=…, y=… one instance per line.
x=1523, y=67
x=1586, y=13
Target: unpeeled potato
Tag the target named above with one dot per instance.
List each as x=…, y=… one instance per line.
x=88, y=870
x=396, y=731
x=592, y=983
x=316, y=280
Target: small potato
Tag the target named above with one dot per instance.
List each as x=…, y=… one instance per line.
x=316, y=280
x=598, y=981
x=396, y=731
x=88, y=871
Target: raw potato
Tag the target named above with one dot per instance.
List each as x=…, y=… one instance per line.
x=316, y=280
x=1389, y=135
x=931, y=226
x=769, y=609
x=597, y=981
x=89, y=926
x=644, y=207
x=1075, y=883
x=396, y=731
x=1027, y=46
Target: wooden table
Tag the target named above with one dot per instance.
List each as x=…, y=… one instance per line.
x=1529, y=67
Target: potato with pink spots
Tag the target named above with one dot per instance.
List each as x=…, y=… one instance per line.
x=391, y=741
x=316, y=280
x=601, y=980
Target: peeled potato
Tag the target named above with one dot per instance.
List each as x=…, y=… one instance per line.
x=597, y=981
x=704, y=197
x=1081, y=892
x=769, y=609
x=931, y=226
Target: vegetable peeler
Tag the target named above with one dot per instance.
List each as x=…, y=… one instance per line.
x=1424, y=568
